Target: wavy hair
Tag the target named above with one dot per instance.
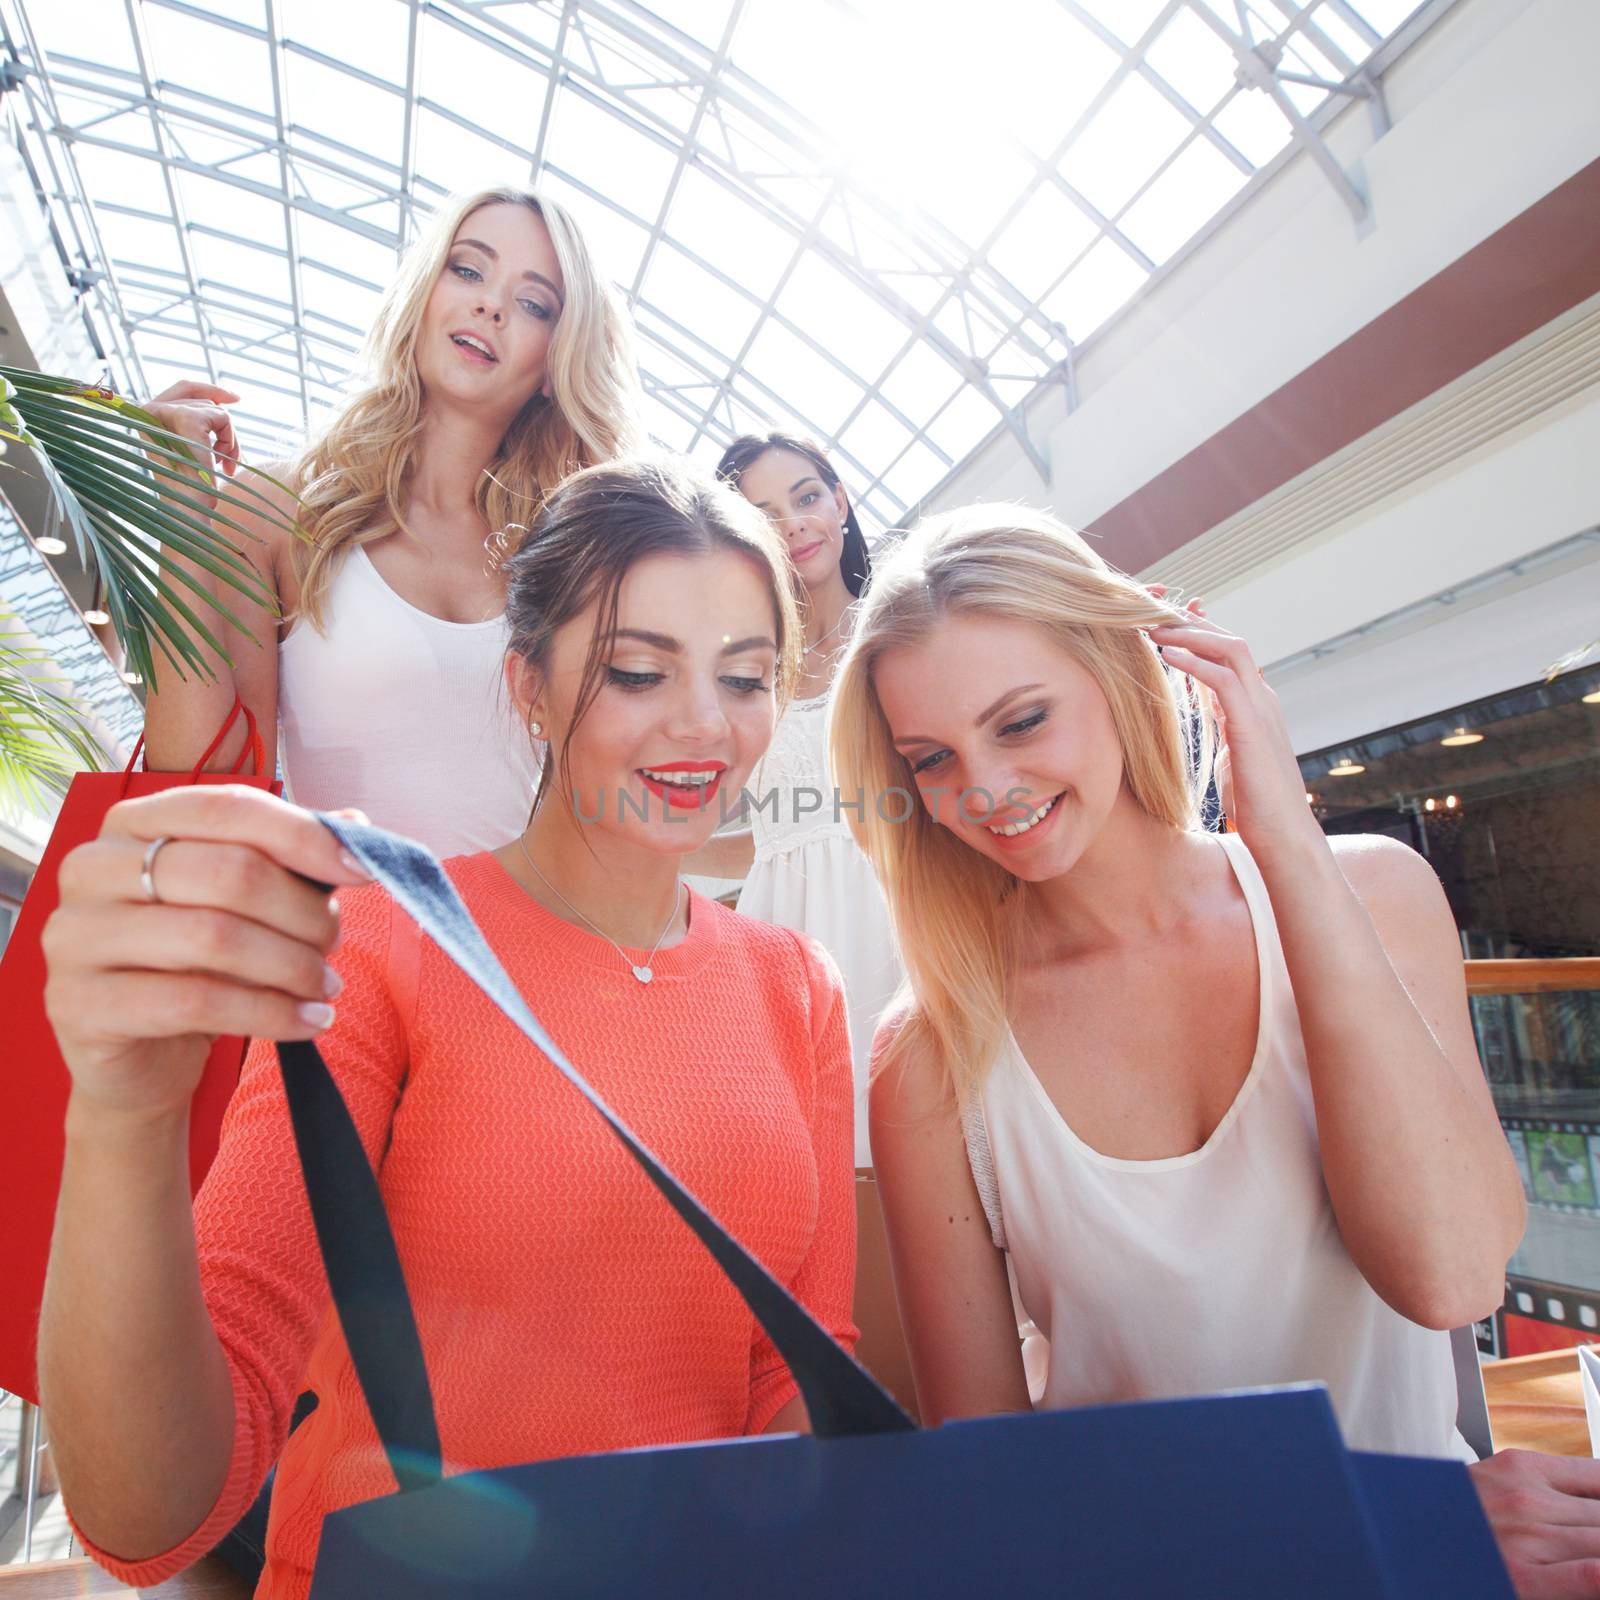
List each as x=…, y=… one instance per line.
x=957, y=914
x=594, y=528
x=354, y=477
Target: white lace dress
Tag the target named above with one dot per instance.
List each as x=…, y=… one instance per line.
x=809, y=875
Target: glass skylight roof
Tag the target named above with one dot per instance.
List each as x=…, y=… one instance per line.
x=888, y=221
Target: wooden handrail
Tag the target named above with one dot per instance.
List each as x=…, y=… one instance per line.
x=1533, y=977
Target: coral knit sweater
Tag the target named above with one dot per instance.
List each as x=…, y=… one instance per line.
x=564, y=1309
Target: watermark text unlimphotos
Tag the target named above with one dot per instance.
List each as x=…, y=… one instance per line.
x=795, y=806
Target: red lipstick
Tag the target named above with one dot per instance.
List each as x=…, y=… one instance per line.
x=684, y=796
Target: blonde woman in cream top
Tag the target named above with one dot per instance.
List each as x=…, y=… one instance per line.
x=1229, y=1128
x=1223, y=1097
x=1218, y=1268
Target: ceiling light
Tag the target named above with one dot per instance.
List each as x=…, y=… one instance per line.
x=1450, y=802
x=1429, y=804
x=1346, y=769
x=50, y=546
x=1592, y=698
x=1311, y=799
x=1461, y=736
x=97, y=616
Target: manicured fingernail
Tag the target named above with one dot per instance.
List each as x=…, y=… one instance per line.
x=332, y=983
x=350, y=864
x=316, y=1015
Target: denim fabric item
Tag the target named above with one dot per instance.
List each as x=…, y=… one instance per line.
x=245, y=1547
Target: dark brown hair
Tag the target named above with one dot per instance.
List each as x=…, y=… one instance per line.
x=855, y=565
x=595, y=527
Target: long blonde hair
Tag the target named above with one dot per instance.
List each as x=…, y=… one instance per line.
x=957, y=914
x=354, y=477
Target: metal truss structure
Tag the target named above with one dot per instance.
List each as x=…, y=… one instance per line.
x=892, y=222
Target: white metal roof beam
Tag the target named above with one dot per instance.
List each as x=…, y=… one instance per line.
x=687, y=149
x=290, y=241
x=38, y=92
x=1258, y=67
x=262, y=191
x=553, y=75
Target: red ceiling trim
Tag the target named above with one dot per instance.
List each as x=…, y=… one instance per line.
x=1539, y=265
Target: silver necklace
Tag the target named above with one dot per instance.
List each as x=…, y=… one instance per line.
x=644, y=974
x=814, y=649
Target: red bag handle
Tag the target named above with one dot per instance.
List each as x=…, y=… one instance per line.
x=254, y=748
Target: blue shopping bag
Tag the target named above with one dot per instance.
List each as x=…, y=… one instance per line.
x=1238, y=1496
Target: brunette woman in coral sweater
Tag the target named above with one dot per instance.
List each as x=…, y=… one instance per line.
x=563, y=1307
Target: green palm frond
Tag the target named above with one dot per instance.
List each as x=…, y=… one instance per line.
x=135, y=496
x=42, y=737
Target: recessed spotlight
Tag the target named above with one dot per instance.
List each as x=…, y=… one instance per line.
x=1430, y=804
x=1346, y=769
x=1450, y=802
x=1461, y=736
x=50, y=546
x=96, y=618
x=1311, y=799
x=1592, y=698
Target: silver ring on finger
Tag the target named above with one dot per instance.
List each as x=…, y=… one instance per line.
x=147, y=880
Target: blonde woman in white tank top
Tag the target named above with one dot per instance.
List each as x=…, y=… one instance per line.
x=1224, y=1120
x=499, y=363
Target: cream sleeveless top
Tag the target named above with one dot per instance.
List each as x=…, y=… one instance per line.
x=1221, y=1269
x=404, y=715
x=810, y=875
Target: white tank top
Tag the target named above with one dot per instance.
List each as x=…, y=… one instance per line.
x=404, y=715
x=1220, y=1269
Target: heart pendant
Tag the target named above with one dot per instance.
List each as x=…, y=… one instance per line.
x=643, y=974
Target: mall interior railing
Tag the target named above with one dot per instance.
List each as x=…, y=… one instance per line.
x=1538, y=1030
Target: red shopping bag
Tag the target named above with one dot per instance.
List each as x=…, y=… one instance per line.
x=33, y=1077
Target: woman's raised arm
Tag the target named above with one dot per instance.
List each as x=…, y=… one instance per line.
x=1419, y=1173
x=183, y=714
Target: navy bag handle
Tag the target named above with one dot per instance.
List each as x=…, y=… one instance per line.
x=358, y=1248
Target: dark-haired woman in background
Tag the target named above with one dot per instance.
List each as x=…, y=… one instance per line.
x=801, y=868
x=653, y=643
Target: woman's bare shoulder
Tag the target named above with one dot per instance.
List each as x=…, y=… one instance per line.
x=908, y=1076
x=273, y=518
x=271, y=492
x=1401, y=893
x=1378, y=867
